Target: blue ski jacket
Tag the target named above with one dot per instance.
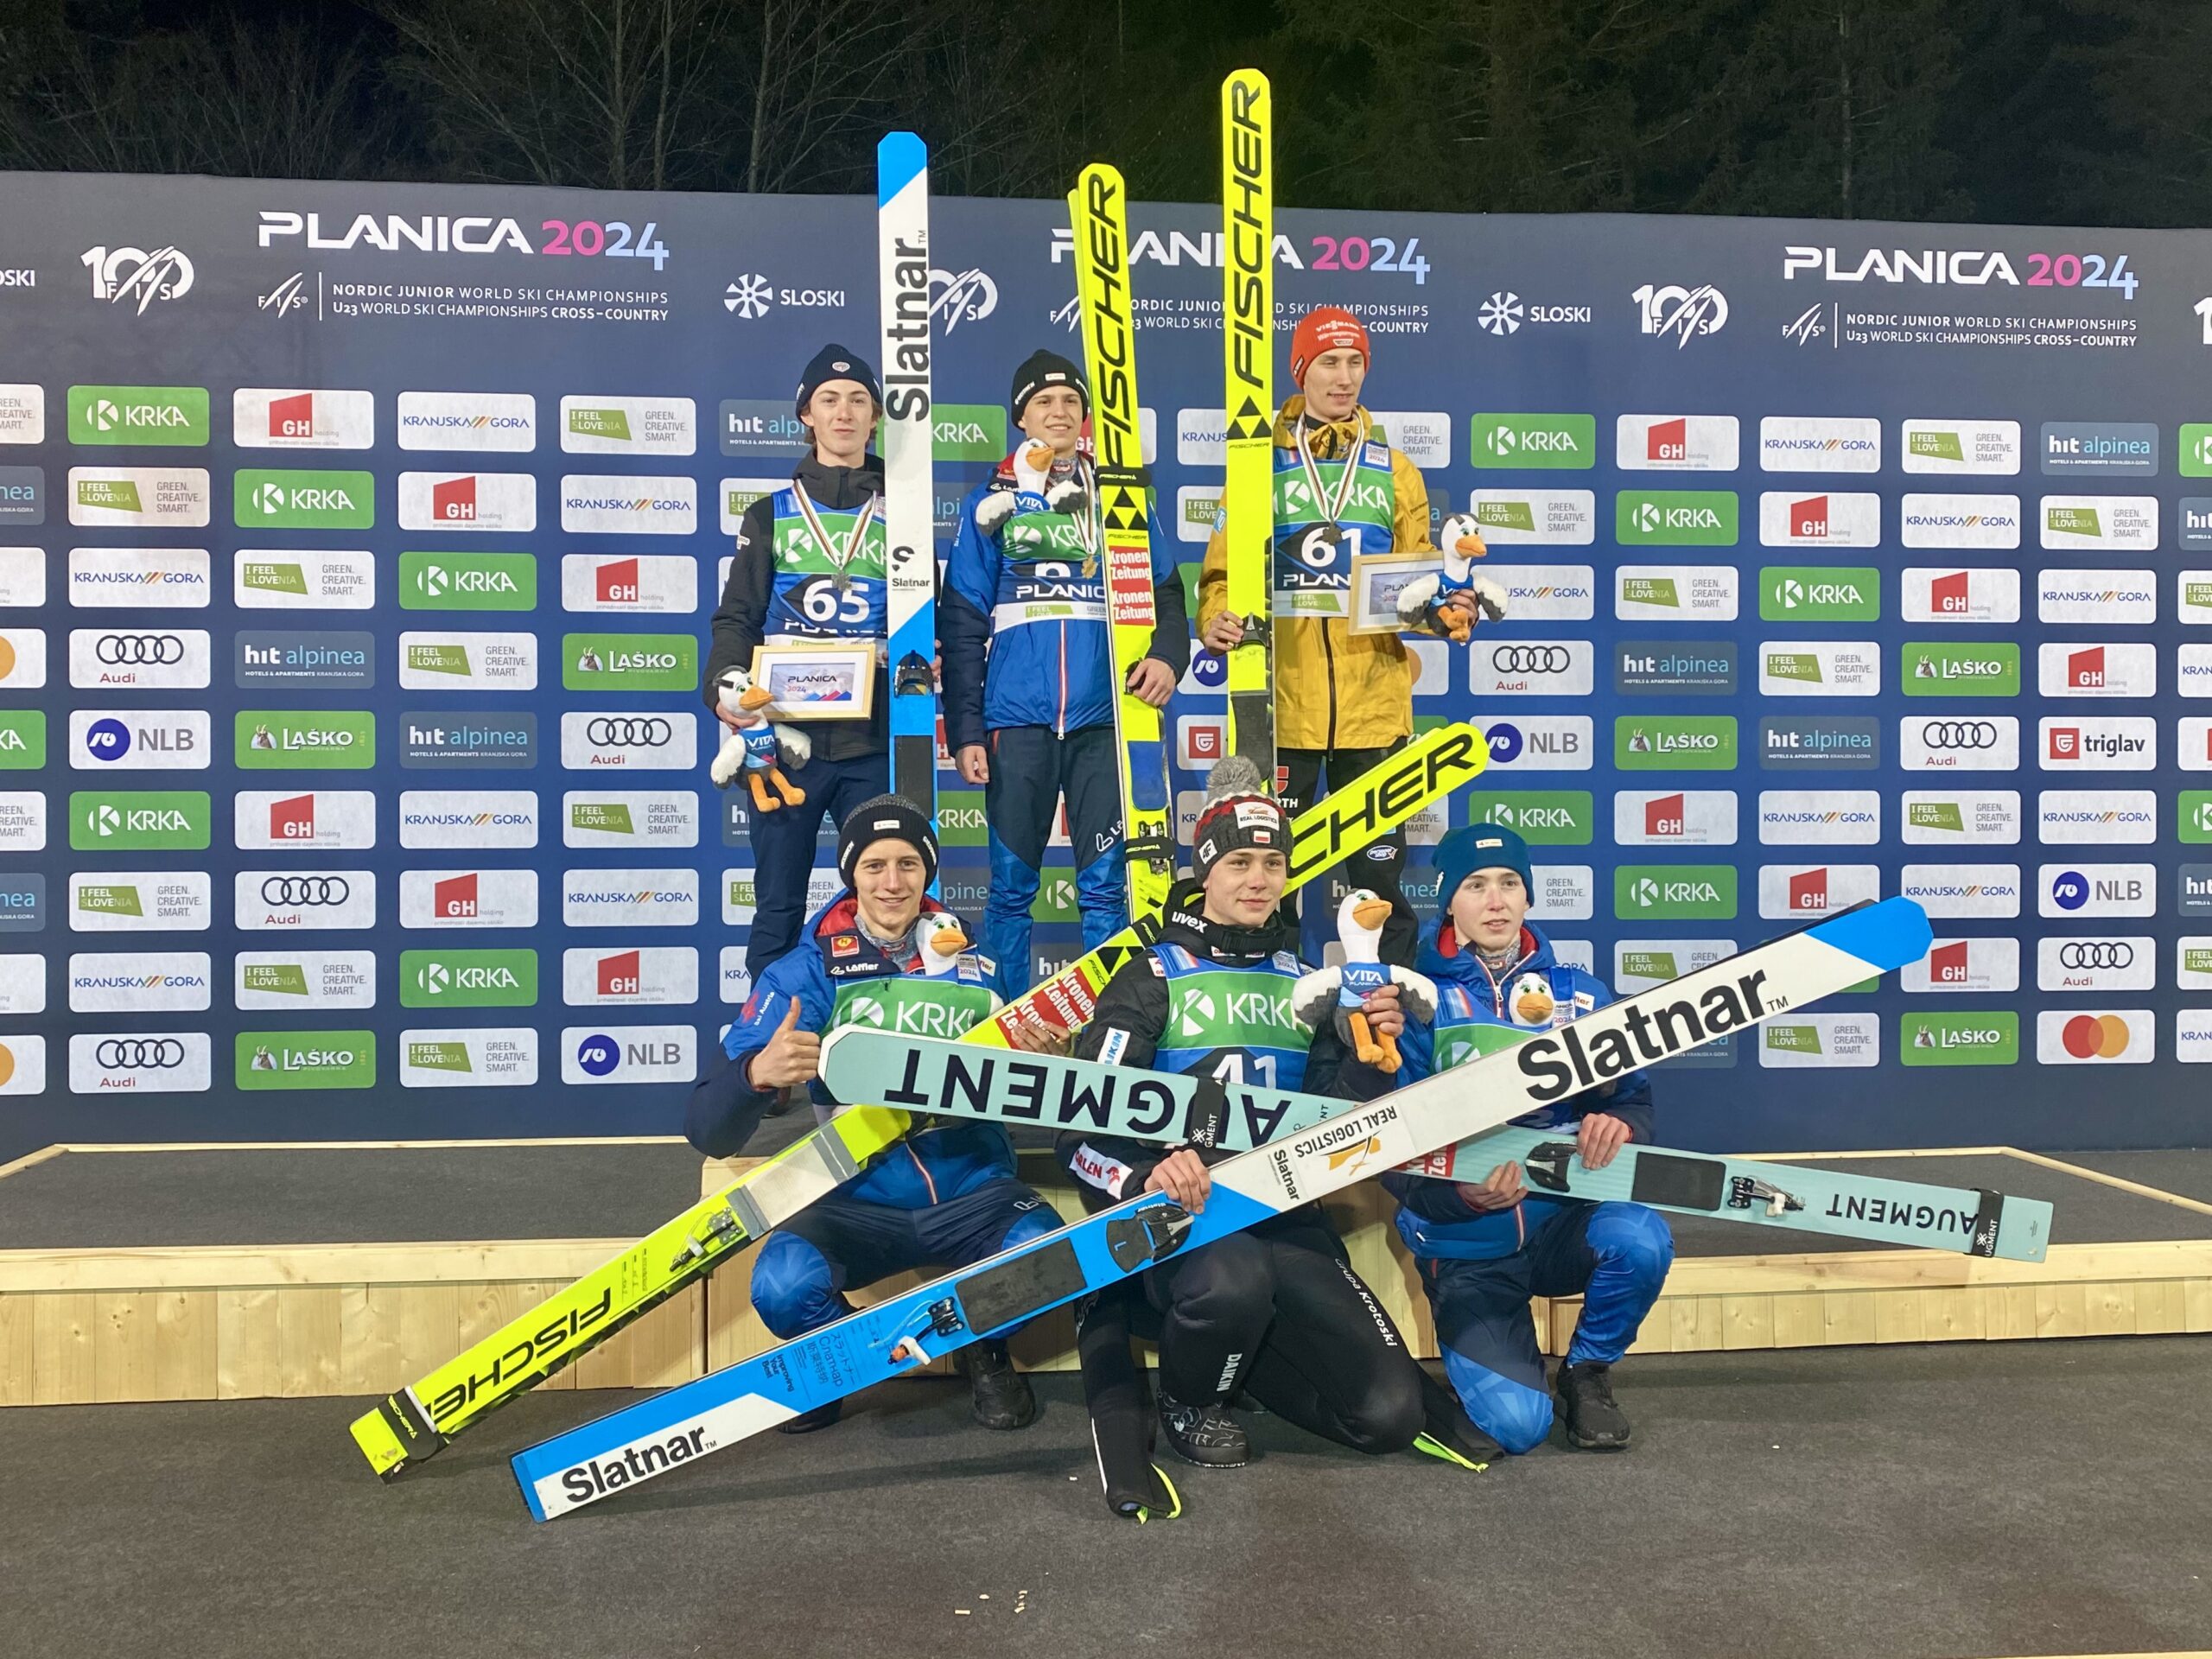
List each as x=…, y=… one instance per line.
x=1475, y=1013
x=1024, y=630
x=835, y=959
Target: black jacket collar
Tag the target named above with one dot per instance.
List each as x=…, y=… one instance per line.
x=841, y=489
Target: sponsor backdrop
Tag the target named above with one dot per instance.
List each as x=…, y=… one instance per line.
x=357, y=542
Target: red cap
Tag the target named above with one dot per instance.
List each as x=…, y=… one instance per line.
x=1325, y=329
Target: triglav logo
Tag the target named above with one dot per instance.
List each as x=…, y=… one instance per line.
x=121, y=274
x=1681, y=312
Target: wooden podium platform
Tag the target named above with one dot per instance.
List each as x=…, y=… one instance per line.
x=221, y=1272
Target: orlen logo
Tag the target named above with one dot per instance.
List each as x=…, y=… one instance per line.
x=454, y=501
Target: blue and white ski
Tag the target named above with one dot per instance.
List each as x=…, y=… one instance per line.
x=902, y=220
x=653, y=1436
x=944, y=1080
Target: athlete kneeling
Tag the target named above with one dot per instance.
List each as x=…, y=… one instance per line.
x=1276, y=1310
x=1485, y=1248
x=883, y=952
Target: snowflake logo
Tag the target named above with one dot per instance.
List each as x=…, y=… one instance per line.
x=748, y=296
x=1500, y=313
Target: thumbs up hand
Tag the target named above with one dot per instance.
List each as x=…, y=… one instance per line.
x=791, y=1056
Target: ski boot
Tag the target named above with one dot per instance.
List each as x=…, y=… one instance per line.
x=1202, y=1434
x=1586, y=1410
x=1001, y=1396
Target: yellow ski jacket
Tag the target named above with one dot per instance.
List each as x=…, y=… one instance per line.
x=1334, y=689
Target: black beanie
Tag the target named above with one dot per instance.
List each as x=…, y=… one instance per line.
x=1237, y=812
x=1043, y=369
x=835, y=362
x=886, y=817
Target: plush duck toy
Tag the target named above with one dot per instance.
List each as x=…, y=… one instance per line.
x=940, y=938
x=755, y=746
x=1024, y=483
x=1328, y=991
x=1424, y=603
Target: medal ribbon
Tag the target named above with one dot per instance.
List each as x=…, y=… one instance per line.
x=840, y=557
x=1333, y=509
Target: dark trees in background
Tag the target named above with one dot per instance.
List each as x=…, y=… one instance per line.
x=2083, y=111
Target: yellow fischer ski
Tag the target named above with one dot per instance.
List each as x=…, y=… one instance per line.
x=1097, y=208
x=417, y=1421
x=1247, y=310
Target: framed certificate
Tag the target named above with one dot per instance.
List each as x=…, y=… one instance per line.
x=824, y=680
x=1378, y=579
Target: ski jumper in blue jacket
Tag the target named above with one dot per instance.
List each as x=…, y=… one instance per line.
x=1480, y=1269
x=944, y=1197
x=1029, y=676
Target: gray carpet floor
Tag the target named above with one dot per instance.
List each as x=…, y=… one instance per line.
x=1969, y=1499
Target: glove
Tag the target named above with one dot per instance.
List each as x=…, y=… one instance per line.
x=1068, y=496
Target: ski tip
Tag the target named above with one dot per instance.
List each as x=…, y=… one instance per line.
x=900, y=158
x=1888, y=935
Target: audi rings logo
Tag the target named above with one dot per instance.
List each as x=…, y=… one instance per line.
x=2096, y=953
x=141, y=649
x=1530, y=659
x=139, y=1054
x=618, y=732
x=1958, y=733
x=305, y=890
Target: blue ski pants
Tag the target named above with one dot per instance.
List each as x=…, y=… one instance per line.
x=784, y=847
x=1030, y=769
x=837, y=1244
x=1615, y=1256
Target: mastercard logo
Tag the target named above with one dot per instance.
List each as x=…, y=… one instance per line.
x=2095, y=1036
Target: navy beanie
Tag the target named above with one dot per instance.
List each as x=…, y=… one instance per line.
x=1478, y=846
x=887, y=817
x=1043, y=369
x=835, y=362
